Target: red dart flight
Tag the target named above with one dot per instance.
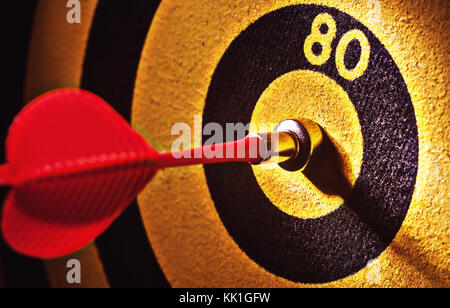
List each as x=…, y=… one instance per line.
x=74, y=165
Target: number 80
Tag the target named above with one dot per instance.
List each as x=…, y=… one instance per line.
x=325, y=39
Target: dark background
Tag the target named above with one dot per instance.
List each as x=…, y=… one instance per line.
x=126, y=254
x=18, y=271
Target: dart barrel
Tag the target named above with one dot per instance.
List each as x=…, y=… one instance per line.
x=369, y=206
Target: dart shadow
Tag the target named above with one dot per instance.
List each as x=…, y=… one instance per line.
x=411, y=252
x=326, y=169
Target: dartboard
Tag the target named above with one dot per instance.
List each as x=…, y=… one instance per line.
x=372, y=207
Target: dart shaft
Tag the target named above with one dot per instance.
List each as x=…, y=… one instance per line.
x=250, y=150
x=274, y=147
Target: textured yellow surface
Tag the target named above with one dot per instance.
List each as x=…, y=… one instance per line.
x=92, y=275
x=56, y=51
x=184, y=46
x=55, y=60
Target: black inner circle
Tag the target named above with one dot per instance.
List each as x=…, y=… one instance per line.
x=341, y=243
x=352, y=55
x=324, y=28
x=317, y=49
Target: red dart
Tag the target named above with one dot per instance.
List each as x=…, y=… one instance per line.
x=74, y=165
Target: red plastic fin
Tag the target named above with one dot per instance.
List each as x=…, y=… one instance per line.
x=77, y=165
x=5, y=177
x=51, y=218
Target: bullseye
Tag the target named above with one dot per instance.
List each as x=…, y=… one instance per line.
x=322, y=188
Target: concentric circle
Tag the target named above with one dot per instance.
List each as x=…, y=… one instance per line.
x=341, y=243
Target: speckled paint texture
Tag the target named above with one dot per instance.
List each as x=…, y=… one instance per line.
x=194, y=248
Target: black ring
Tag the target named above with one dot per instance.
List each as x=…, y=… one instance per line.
x=117, y=36
x=342, y=242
